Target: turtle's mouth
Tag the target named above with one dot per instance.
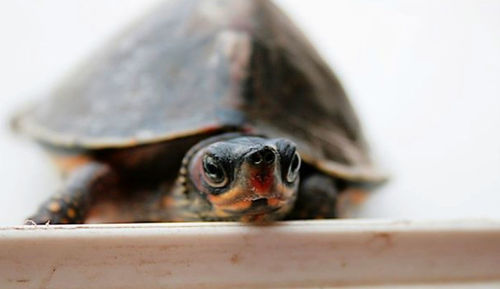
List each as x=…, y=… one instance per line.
x=258, y=206
x=259, y=191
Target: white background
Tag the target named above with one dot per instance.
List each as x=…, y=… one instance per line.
x=424, y=77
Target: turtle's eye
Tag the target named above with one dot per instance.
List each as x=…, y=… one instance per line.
x=214, y=172
x=293, y=170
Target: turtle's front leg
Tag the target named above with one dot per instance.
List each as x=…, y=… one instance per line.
x=71, y=204
x=317, y=198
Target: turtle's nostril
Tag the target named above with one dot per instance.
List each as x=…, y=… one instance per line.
x=268, y=156
x=255, y=158
x=264, y=155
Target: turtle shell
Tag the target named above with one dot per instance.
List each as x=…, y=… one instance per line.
x=203, y=65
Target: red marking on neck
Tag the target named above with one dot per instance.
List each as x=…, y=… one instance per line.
x=262, y=181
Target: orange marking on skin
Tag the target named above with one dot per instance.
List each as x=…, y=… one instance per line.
x=274, y=202
x=349, y=199
x=69, y=163
x=71, y=213
x=227, y=198
x=259, y=218
x=234, y=200
x=357, y=196
x=54, y=207
x=239, y=205
x=168, y=201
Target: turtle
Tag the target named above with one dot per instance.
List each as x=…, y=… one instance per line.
x=202, y=110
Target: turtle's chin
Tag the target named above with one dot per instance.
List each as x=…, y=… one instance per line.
x=265, y=214
x=258, y=209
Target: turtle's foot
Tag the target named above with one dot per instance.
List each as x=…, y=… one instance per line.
x=61, y=208
x=71, y=204
x=317, y=198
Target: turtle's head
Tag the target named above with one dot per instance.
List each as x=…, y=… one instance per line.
x=244, y=178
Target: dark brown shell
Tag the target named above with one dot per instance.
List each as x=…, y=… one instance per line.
x=198, y=65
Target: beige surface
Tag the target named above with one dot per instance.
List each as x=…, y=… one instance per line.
x=310, y=254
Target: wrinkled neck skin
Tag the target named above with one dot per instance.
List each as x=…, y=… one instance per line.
x=257, y=189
